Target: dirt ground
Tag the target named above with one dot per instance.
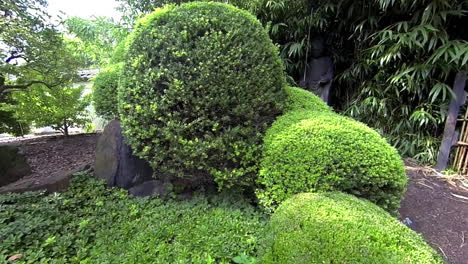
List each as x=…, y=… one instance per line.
x=439, y=211
x=51, y=155
x=432, y=206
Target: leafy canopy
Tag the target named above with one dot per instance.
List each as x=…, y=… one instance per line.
x=32, y=50
x=59, y=107
x=97, y=37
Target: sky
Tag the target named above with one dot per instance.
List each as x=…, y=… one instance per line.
x=84, y=8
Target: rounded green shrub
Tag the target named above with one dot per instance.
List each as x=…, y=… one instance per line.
x=300, y=99
x=307, y=151
x=201, y=84
x=339, y=228
x=105, y=99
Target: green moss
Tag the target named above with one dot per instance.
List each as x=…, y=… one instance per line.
x=339, y=228
x=201, y=84
x=105, y=86
x=309, y=151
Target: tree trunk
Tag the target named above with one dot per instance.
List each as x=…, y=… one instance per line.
x=65, y=128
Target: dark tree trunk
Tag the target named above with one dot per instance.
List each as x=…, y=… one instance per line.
x=65, y=128
x=450, y=124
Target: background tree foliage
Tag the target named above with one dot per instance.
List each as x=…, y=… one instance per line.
x=395, y=59
x=58, y=107
x=96, y=38
x=10, y=124
x=32, y=50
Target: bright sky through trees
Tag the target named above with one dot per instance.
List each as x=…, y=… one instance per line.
x=84, y=8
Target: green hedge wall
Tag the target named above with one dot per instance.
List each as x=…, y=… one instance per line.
x=318, y=150
x=201, y=84
x=339, y=228
x=105, y=87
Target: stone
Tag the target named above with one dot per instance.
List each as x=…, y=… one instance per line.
x=115, y=162
x=319, y=72
x=57, y=182
x=13, y=165
x=151, y=188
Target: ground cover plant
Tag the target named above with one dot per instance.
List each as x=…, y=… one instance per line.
x=339, y=228
x=311, y=149
x=92, y=224
x=201, y=84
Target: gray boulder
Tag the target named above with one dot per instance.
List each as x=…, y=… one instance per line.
x=13, y=165
x=151, y=188
x=115, y=162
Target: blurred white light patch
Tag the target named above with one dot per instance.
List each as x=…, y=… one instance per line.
x=84, y=8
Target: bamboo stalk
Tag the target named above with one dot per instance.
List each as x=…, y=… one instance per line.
x=461, y=150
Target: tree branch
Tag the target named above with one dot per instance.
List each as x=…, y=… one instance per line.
x=15, y=57
x=15, y=87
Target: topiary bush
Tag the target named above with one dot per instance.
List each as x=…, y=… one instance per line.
x=201, y=84
x=339, y=228
x=309, y=151
x=105, y=86
x=300, y=99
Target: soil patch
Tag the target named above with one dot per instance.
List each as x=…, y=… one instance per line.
x=53, y=156
x=439, y=212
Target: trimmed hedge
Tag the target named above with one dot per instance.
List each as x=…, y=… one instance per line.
x=300, y=99
x=309, y=151
x=105, y=87
x=339, y=228
x=201, y=84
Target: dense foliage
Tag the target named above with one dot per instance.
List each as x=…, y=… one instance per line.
x=313, y=150
x=395, y=60
x=132, y=9
x=97, y=38
x=10, y=124
x=339, y=228
x=105, y=87
x=59, y=107
x=201, y=84
x=92, y=224
x=32, y=50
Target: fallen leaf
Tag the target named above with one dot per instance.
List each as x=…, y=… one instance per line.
x=15, y=257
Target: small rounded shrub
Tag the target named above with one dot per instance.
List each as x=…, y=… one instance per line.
x=307, y=151
x=105, y=97
x=201, y=84
x=300, y=99
x=339, y=228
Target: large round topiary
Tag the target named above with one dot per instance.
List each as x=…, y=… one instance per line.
x=105, y=99
x=309, y=151
x=339, y=228
x=201, y=84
